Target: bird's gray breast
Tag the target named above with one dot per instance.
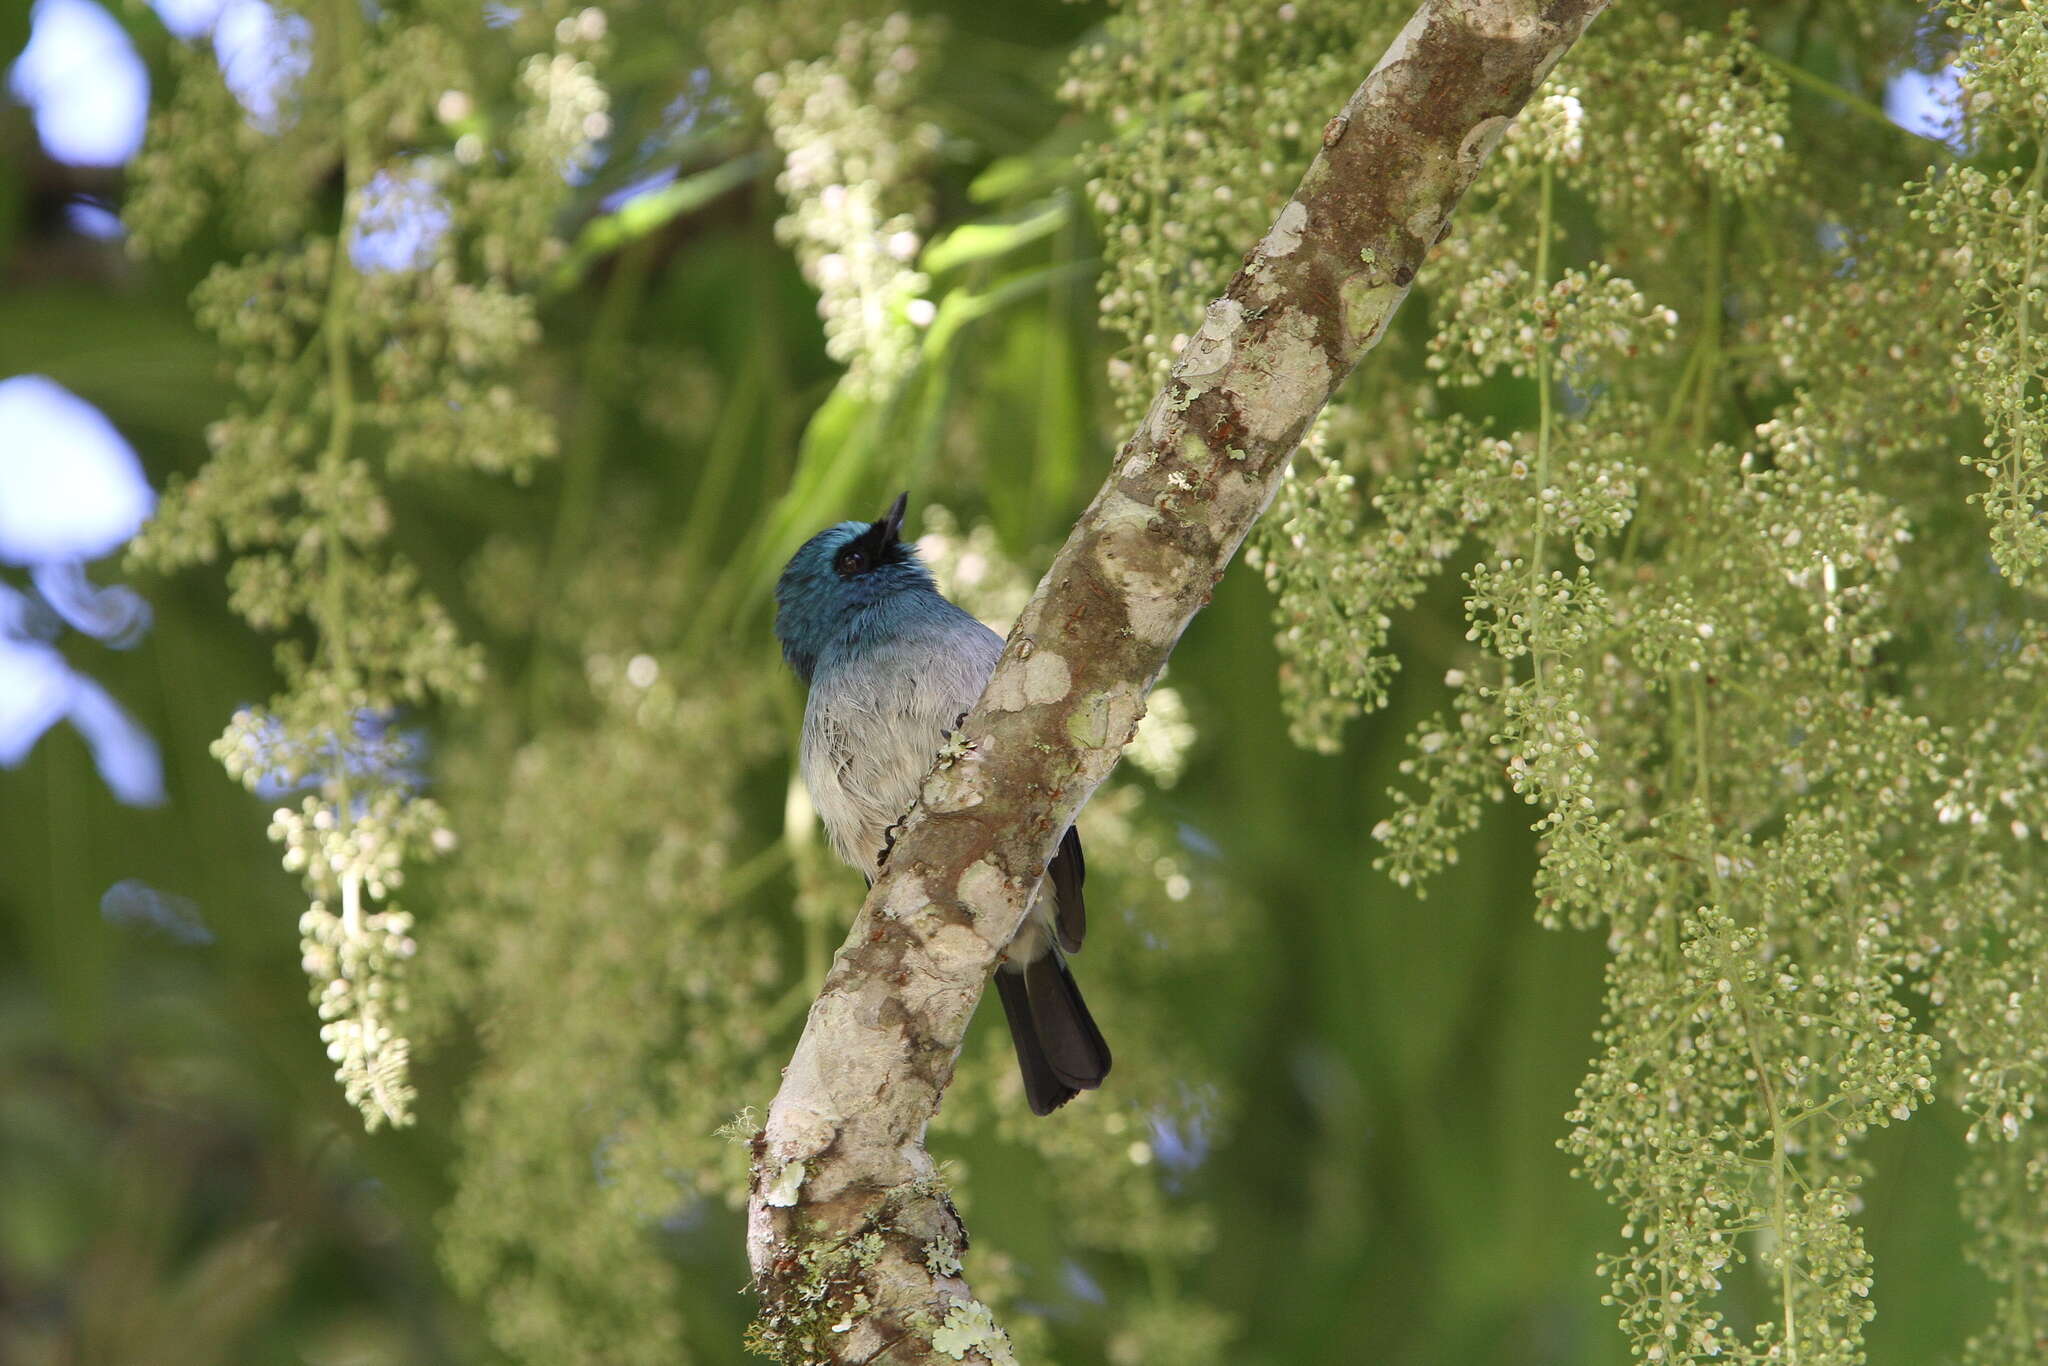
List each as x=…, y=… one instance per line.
x=874, y=722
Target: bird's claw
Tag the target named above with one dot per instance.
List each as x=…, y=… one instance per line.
x=888, y=844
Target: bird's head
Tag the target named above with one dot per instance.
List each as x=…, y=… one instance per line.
x=836, y=577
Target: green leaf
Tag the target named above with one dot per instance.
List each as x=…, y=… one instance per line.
x=986, y=240
x=646, y=213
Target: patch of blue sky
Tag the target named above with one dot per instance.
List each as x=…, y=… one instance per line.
x=682, y=113
x=88, y=89
x=135, y=904
x=1180, y=1143
x=377, y=753
x=263, y=55
x=401, y=224
x=1076, y=1281
x=35, y=685
x=71, y=491
x=84, y=83
x=1194, y=839
x=678, y=118
x=38, y=689
x=188, y=19
x=71, y=488
x=117, y=615
x=1925, y=102
x=584, y=163
x=633, y=189
x=88, y=217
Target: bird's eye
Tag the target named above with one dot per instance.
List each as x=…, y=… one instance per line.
x=852, y=560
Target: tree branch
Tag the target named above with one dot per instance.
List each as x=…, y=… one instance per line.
x=853, y=1243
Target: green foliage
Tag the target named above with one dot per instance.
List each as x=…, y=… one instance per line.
x=1719, y=416
x=1721, y=627
x=360, y=380
x=593, y=1122
x=855, y=162
x=1209, y=115
x=345, y=374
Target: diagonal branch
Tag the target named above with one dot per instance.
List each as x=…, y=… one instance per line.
x=852, y=1241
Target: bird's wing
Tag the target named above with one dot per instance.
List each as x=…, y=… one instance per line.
x=1066, y=873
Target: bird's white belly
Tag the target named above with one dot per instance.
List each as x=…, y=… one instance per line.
x=863, y=776
x=870, y=737
x=872, y=731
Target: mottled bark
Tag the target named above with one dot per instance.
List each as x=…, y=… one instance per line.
x=853, y=1243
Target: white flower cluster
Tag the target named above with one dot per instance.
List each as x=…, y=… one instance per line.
x=1999, y=222
x=1500, y=320
x=972, y=567
x=1729, y=108
x=570, y=105
x=1776, y=719
x=1551, y=129
x=1211, y=111
x=356, y=957
x=854, y=156
x=400, y=338
x=357, y=964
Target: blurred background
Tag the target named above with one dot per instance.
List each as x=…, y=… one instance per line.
x=1333, y=1131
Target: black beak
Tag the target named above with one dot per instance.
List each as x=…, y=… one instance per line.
x=892, y=521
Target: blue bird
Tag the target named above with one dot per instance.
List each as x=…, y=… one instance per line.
x=893, y=668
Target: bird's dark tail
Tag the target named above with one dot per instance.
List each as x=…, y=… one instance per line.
x=1059, y=1049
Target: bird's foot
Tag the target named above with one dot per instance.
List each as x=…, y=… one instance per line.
x=888, y=844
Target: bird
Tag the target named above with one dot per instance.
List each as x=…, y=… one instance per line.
x=892, y=668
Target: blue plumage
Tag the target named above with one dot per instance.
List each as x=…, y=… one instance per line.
x=845, y=582
x=892, y=666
